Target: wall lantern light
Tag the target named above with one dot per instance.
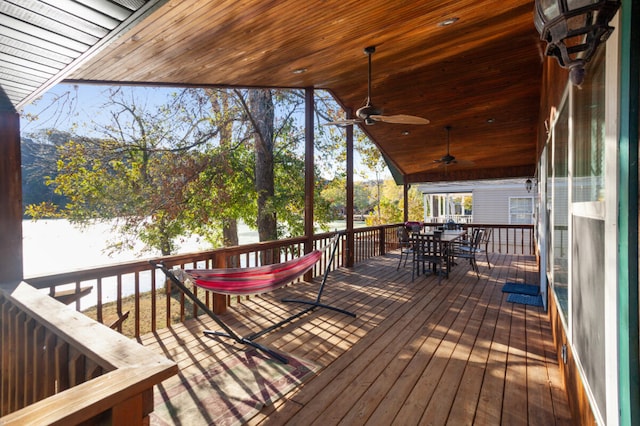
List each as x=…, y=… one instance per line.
x=528, y=184
x=573, y=29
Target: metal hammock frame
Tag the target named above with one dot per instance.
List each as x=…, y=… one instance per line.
x=279, y=274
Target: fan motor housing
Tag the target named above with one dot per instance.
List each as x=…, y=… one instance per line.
x=367, y=110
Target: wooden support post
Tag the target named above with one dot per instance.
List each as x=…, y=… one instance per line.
x=349, y=250
x=406, y=199
x=10, y=198
x=309, y=174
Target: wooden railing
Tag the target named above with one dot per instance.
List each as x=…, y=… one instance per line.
x=511, y=239
x=112, y=285
x=60, y=367
x=53, y=356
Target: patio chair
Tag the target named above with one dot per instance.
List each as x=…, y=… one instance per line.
x=428, y=249
x=484, y=244
x=469, y=249
x=406, y=249
x=450, y=225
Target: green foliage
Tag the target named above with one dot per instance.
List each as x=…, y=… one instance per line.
x=136, y=176
x=392, y=205
x=161, y=171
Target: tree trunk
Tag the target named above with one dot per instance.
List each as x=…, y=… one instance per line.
x=230, y=232
x=262, y=111
x=229, y=224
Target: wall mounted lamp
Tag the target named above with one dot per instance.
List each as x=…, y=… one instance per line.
x=573, y=29
x=528, y=184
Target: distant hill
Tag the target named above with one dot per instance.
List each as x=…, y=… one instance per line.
x=38, y=162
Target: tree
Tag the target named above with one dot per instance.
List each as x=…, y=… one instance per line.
x=392, y=204
x=199, y=162
x=196, y=163
x=262, y=117
x=137, y=174
x=39, y=163
x=372, y=158
x=274, y=119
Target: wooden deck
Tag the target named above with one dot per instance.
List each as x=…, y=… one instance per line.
x=417, y=353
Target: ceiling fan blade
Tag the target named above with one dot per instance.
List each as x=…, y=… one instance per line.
x=343, y=123
x=465, y=163
x=400, y=119
x=452, y=163
x=437, y=164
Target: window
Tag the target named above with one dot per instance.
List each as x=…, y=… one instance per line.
x=521, y=210
x=588, y=141
x=560, y=210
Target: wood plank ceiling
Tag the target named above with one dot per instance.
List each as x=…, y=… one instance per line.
x=480, y=75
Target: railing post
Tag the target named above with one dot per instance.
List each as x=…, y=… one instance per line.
x=381, y=239
x=219, y=300
x=349, y=250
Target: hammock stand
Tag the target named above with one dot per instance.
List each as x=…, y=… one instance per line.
x=257, y=280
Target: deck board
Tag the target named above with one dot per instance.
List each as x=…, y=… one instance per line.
x=418, y=352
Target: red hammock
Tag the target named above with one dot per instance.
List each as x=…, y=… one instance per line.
x=253, y=280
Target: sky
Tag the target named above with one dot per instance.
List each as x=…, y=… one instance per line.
x=66, y=106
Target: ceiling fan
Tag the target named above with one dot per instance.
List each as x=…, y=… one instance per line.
x=448, y=159
x=369, y=114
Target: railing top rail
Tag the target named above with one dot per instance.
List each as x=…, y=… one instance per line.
x=49, y=280
x=130, y=368
x=107, y=348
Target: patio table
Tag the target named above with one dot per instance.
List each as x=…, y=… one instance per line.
x=447, y=237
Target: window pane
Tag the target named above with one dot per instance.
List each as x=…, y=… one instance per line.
x=521, y=210
x=588, y=181
x=561, y=247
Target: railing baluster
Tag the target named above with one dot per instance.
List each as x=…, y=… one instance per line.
x=194, y=311
x=76, y=367
x=119, y=299
x=137, y=302
x=50, y=363
x=167, y=292
x=29, y=328
x=78, y=287
x=39, y=370
x=182, y=299
x=20, y=354
x=99, y=303
x=61, y=368
x=154, y=313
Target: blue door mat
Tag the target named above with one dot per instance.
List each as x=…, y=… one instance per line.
x=531, y=290
x=525, y=299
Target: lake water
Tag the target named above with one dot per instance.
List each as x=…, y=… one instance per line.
x=51, y=246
